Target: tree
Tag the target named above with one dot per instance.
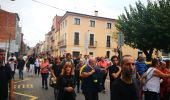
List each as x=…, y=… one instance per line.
x=146, y=27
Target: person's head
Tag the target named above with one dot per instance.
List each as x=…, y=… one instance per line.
x=141, y=57
x=81, y=62
x=1, y=60
x=115, y=60
x=68, y=56
x=128, y=66
x=102, y=58
x=92, y=62
x=45, y=59
x=163, y=64
x=56, y=60
x=67, y=69
x=155, y=62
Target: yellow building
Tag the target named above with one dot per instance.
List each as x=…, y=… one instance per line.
x=89, y=35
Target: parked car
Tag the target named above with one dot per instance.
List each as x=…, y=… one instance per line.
x=164, y=58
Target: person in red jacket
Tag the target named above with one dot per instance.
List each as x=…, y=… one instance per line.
x=164, y=84
x=44, y=73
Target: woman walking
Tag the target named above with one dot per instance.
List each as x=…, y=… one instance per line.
x=66, y=83
x=45, y=73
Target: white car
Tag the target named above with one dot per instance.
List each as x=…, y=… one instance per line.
x=164, y=58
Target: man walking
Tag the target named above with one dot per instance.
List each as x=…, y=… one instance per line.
x=124, y=88
x=114, y=71
x=91, y=80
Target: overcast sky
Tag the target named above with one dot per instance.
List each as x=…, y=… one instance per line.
x=36, y=18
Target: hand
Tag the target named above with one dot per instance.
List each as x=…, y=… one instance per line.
x=93, y=71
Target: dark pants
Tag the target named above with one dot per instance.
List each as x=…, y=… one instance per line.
x=55, y=93
x=44, y=79
x=91, y=96
x=103, y=80
x=21, y=75
x=151, y=95
x=13, y=73
x=37, y=70
x=77, y=79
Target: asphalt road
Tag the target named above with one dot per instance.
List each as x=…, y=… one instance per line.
x=30, y=89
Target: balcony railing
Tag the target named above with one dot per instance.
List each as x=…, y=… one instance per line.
x=92, y=44
x=62, y=43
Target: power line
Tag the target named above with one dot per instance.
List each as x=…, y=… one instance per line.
x=49, y=5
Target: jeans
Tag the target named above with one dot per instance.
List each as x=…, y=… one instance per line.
x=44, y=79
x=21, y=75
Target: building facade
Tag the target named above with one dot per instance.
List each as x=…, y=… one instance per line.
x=10, y=32
x=88, y=35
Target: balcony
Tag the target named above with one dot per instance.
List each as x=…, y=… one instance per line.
x=92, y=44
x=52, y=39
x=62, y=43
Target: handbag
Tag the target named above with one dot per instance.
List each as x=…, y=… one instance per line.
x=53, y=82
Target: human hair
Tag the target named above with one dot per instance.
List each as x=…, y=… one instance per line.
x=68, y=54
x=154, y=62
x=114, y=57
x=124, y=58
x=57, y=60
x=63, y=72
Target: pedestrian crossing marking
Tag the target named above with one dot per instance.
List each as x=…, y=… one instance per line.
x=23, y=86
x=26, y=95
x=22, y=80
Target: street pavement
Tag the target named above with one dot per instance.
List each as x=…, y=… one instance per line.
x=30, y=89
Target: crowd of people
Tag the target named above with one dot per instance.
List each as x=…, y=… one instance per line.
x=87, y=74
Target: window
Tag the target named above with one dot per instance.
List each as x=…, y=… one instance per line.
x=76, y=38
x=109, y=25
x=92, y=23
x=76, y=53
x=108, y=41
x=63, y=24
x=91, y=39
x=91, y=53
x=76, y=21
x=108, y=54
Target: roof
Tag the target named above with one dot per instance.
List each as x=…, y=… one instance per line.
x=84, y=15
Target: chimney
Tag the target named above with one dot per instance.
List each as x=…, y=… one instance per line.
x=95, y=13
